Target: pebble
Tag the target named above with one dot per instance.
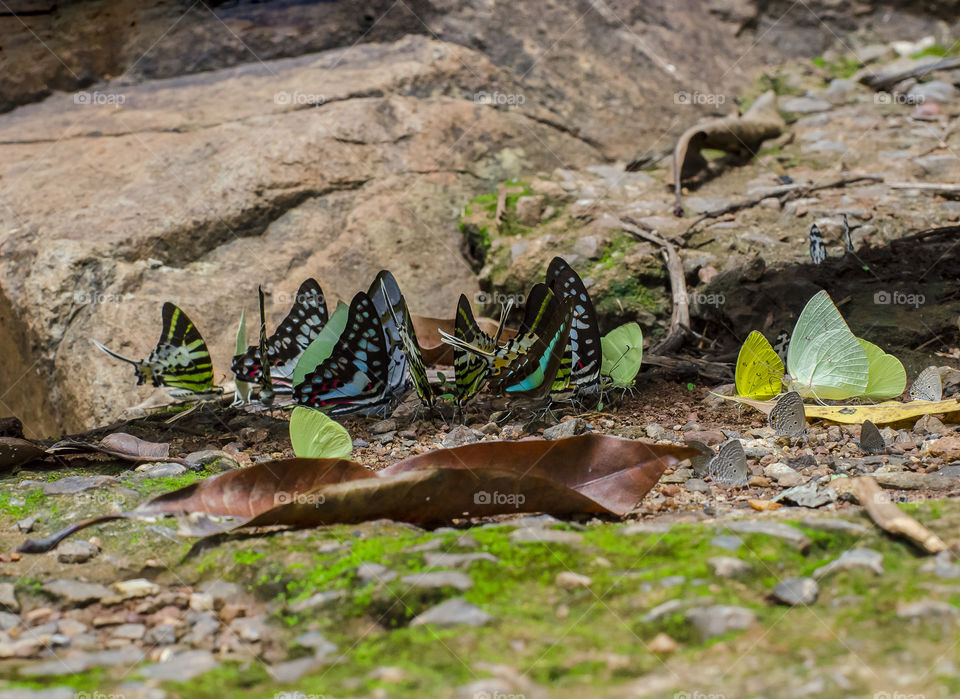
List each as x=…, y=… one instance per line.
x=133, y=632
x=8, y=621
x=728, y=566
x=317, y=641
x=293, y=670
x=457, y=560
x=810, y=494
x=160, y=470
x=947, y=448
x=77, y=592
x=926, y=608
x=719, y=619
x=794, y=591
x=459, y=436
x=161, y=635
x=70, y=485
x=835, y=525
x=782, y=474
x=455, y=611
x=569, y=580
x=320, y=600
x=214, y=460
x=383, y=426
x=374, y=573
x=646, y=528
x=697, y=485
x=567, y=428
x=135, y=588
x=182, y=667
x=942, y=565
x=849, y=560
x=792, y=535
x=662, y=644
x=201, y=602
x=76, y=551
x=491, y=428
x=804, y=105
x=438, y=579
x=74, y=664
x=8, y=597
x=929, y=424
x=728, y=542
x=933, y=91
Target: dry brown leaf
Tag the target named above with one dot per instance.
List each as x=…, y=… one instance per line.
x=764, y=505
x=437, y=352
x=17, y=452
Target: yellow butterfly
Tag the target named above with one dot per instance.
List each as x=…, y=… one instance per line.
x=759, y=372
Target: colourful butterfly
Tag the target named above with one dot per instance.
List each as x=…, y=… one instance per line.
x=354, y=379
x=385, y=295
x=582, y=358
x=301, y=326
x=180, y=361
x=470, y=369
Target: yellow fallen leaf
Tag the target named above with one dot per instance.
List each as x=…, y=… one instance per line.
x=879, y=414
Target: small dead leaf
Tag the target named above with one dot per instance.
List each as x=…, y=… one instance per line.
x=437, y=352
x=16, y=452
x=764, y=505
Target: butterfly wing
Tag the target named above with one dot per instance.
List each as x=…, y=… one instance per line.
x=759, y=372
x=266, y=383
x=583, y=348
x=299, y=328
x=824, y=358
x=927, y=385
x=871, y=440
x=354, y=378
x=181, y=359
x=729, y=466
x=470, y=370
x=385, y=295
x=788, y=418
x=533, y=373
x=818, y=251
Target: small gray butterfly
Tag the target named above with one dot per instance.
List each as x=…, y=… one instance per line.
x=871, y=441
x=700, y=462
x=729, y=466
x=927, y=386
x=788, y=417
x=818, y=251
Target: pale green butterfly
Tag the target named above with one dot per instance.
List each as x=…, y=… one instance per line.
x=825, y=359
x=887, y=378
x=622, y=350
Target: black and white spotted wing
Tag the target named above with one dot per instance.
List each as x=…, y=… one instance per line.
x=927, y=385
x=303, y=323
x=847, y=240
x=781, y=345
x=818, y=251
x=584, y=341
x=729, y=466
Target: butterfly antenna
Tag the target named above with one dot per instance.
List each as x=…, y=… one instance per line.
x=114, y=354
x=504, y=313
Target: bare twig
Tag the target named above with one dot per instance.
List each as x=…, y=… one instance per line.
x=884, y=82
x=888, y=516
x=784, y=193
x=943, y=188
x=680, y=319
x=688, y=365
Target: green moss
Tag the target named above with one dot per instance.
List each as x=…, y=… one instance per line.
x=842, y=67
x=23, y=505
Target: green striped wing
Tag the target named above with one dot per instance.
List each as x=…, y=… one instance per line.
x=470, y=370
x=181, y=358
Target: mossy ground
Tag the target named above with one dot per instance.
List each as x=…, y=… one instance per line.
x=587, y=640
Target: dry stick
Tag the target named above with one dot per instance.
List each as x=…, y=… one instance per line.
x=784, y=193
x=681, y=365
x=888, y=516
x=883, y=82
x=680, y=319
x=932, y=187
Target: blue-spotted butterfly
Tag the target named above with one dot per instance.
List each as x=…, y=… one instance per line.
x=582, y=356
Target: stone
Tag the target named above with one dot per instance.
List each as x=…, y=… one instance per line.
x=728, y=566
x=569, y=580
x=293, y=670
x=181, y=667
x=529, y=209
x=824, y=146
x=728, y=542
x=214, y=460
x=942, y=565
x=717, y=620
x=73, y=664
x=374, y=573
x=384, y=426
x=810, y=494
x=8, y=597
x=646, y=528
x=160, y=470
x=929, y=424
x=161, y=635
x=835, y=525
x=697, y=485
x=939, y=165
x=795, y=591
x=925, y=609
x=909, y=480
x=933, y=91
x=662, y=644
x=457, y=560
x=8, y=621
x=458, y=436
x=135, y=588
x=71, y=485
x=537, y=535
x=77, y=551
x=567, y=428
x=438, y=580
x=587, y=246
x=782, y=474
x=133, y=632
x=222, y=591
x=849, y=560
x=455, y=611
x=804, y=105
x=250, y=629
x=791, y=535
x=77, y=592
x=317, y=641
x=202, y=602
x=947, y=448
x=320, y=600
